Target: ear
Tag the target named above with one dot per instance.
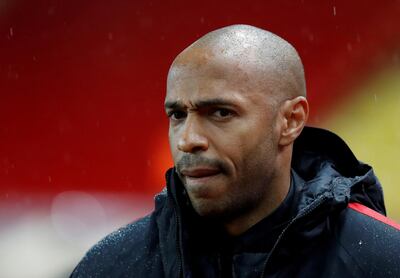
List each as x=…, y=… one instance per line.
x=294, y=113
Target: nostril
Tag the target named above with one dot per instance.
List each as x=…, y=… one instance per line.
x=198, y=149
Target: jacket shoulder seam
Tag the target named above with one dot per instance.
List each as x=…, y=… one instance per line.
x=373, y=214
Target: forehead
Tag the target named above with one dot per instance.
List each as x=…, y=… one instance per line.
x=209, y=79
x=192, y=89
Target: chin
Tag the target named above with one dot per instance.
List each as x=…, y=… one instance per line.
x=209, y=210
x=205, y=208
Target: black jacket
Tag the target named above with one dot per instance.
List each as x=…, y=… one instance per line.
x=334, y=229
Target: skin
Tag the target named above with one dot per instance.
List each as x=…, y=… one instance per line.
x=236, y=103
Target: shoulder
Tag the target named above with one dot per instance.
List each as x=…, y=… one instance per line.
x=129, y=248
x=371, y=241
x=135, y=248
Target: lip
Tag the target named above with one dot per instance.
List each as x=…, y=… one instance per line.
x=197, y=173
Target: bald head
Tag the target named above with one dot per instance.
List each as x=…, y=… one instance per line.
x=248, y=54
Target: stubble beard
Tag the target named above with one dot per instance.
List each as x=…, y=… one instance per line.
x=246, y=194
x=243, y=197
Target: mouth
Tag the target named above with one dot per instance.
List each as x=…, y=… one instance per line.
x=202, y=182
x=197, y=174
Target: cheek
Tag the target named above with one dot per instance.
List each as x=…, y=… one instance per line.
x=172, y=144
x=257, y=153
x=237, y=150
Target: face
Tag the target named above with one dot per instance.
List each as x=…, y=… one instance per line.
x=222, y=136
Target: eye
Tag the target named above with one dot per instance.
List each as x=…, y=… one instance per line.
x=223, y=113
x=176, y=115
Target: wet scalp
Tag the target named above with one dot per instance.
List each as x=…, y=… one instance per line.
x=275, y=61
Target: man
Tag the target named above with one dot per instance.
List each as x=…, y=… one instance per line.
x=252, y=194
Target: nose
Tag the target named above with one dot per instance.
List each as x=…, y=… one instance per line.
x=192, y=138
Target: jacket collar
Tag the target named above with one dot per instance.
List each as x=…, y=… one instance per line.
x=329, y=167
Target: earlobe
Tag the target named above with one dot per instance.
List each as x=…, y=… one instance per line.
x=295, y=115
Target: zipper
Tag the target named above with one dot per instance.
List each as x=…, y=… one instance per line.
x=219, y=265
x=178, y=224
x=305, y=212
x=178, y=243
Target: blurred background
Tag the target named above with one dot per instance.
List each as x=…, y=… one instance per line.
x=83, y=135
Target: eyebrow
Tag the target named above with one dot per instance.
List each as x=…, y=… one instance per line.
x=199, y=104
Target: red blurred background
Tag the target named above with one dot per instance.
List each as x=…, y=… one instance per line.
x=82, y=82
